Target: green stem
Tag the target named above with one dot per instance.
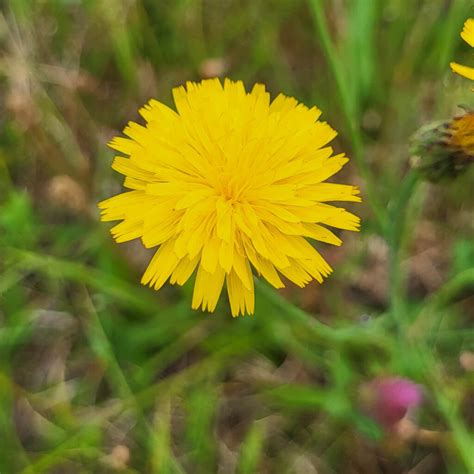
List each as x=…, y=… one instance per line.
x=459, y=432
x=395, y=235
x=27, y=261
x=322, y=332
x=348, y=107
x=430, y=316
x=449, y=406
x=297, y=314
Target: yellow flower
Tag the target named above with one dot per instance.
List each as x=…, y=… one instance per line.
x=228, y=181
x=461, y=133
x=467, y=35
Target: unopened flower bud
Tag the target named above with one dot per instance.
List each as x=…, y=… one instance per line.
x=388, y=399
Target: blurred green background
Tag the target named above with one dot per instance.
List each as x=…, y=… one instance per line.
x=98, y=374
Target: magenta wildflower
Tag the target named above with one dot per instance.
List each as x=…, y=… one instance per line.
x=389, y=399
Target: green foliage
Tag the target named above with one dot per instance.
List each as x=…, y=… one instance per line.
x=251, y=449
x=99, y=374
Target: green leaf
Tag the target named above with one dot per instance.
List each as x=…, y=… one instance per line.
x=251, y=449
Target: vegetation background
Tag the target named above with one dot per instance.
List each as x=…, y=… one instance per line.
x=98, y=374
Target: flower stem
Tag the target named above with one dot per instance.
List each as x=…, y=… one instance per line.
x=324, y=333
x=396, y=228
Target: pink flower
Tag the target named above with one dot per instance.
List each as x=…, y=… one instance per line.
x=389, y=399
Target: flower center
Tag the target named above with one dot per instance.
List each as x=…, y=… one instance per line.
x=230, y=187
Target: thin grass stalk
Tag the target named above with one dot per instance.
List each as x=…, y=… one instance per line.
x=348, y=109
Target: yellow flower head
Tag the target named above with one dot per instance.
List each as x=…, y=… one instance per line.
x=228, y=181
x=461, y=133
x=467, y=35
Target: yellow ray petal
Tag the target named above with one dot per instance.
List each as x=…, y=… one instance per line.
x=242, y=299
x=184, y=270
x=295, y=273
x=263, y=266
x=161, y=266
x=318, y=232
x=323, y=192
x=464, y=71
x=207, y=289
x=467, y=33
